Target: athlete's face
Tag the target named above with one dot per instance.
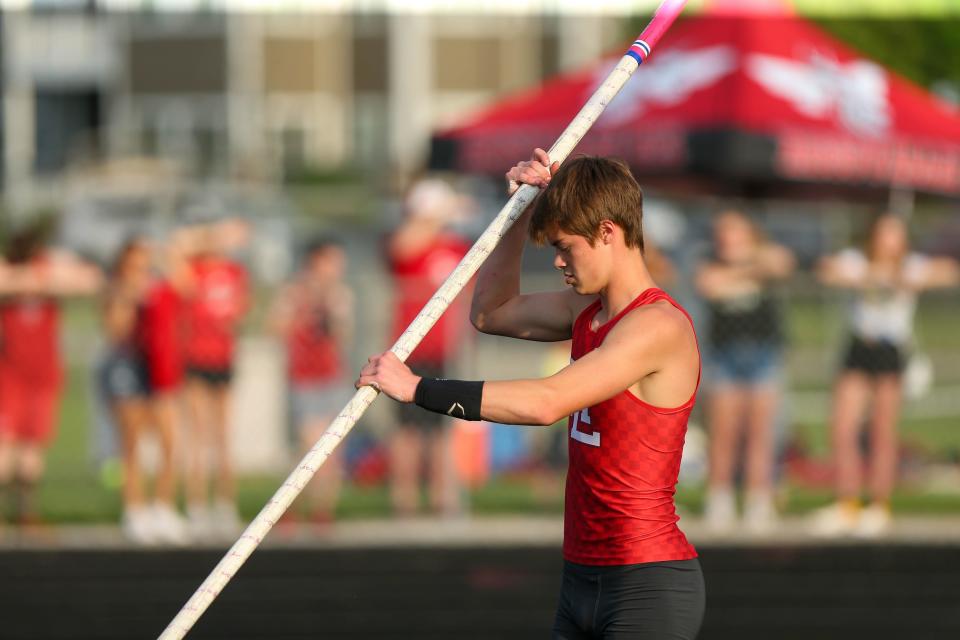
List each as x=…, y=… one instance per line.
x=581, y=264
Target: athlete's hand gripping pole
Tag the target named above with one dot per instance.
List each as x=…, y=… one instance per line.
x=347, y=418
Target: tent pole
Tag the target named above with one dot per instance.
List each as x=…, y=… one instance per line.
x=902, y=201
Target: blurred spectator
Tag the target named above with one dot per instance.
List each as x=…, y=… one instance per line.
x=160, y=337
x=123, y=380
x=31, y=371
x=884, y=278
x=661, y=268
x=313, y=315
x=219, y=298
x=744, y=359
x=422, y=252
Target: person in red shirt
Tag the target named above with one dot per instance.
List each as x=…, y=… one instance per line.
x=160, y=339
x=313, y=315
x=422, y=252
x=217, y=302
x=31, y=371
x=123, y=381
x=629, y=571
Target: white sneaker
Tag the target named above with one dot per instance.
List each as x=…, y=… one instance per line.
x=200, y=522
x=170, y=525
x=226, y=519
x=759, y=513
x=875, y=522
x=138, y=526
x=720, y=510
x=836, y=520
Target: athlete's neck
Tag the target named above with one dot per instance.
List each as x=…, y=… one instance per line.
x=627, y=281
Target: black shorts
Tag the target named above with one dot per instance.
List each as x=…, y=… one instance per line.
x=874, y=357
x=123, y=375
x=409, y=414
x=654, y=600
x=213, y=376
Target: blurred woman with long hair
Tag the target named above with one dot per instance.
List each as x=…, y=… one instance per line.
x=884, y=279
x=743, y=366
x=122, y=377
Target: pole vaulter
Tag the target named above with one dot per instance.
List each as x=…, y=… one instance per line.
x=257, y=530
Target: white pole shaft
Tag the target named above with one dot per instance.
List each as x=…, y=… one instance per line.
x=257, y=530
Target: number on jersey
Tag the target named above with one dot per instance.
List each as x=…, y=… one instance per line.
x=592, y=438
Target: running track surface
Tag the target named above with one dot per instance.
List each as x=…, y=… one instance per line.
x=446, y=584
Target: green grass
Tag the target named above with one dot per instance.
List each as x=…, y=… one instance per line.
x=77, y=490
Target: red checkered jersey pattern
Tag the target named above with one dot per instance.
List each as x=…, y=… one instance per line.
x=624, y=461
x=416, y=278
x=212, y=312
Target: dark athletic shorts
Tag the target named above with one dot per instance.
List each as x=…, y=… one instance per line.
x=123, y=375
x=874, y=357
x=409, y=414
x=653, y=600
x=213, y=376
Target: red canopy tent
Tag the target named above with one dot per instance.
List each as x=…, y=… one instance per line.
x=742, y=100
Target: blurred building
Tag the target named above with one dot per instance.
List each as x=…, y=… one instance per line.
x=262, y=94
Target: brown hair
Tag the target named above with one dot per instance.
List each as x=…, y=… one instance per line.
x=584, y=192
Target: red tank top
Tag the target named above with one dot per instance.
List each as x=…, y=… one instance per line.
x=313, y=354
x=624, y=461
x=159, y=334
x=29, y=340
x=415, y=279
x=213, y=312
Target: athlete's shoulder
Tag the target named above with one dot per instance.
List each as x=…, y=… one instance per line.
x=660, y=322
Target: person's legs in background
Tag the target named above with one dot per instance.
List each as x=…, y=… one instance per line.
x=165, y=410
x=7, y=454
x=133, y=419
x=313, y=408
x=444, y=483
x=33, y=416
x=124, y=386
x=851, y=392
x=884, y=448
x=198, y=438
x=225, y=489
x=726, y=405
x=323, y=491
x=406, y=446
x=763, y=401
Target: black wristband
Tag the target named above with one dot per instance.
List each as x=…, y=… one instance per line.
x=456, y=398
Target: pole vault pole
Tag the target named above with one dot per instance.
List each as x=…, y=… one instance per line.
x=254, y=534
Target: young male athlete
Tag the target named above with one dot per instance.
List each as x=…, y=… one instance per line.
x=628, y=572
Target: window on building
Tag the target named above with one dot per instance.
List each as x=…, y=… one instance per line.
x=67, y=127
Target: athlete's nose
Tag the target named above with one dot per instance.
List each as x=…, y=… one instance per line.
x=558, y=261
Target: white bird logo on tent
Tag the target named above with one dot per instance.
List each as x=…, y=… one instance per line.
x=676, y=75
x=857, y=92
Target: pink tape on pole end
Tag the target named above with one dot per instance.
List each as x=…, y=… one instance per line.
x=666, y=13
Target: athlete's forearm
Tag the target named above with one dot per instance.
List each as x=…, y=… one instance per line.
x=527, y=402
x=498, y=280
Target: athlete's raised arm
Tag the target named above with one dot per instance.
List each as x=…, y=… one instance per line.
x=498, y=306
x=651, y=352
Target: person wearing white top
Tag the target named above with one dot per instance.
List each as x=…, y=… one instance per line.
x=884, y=281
